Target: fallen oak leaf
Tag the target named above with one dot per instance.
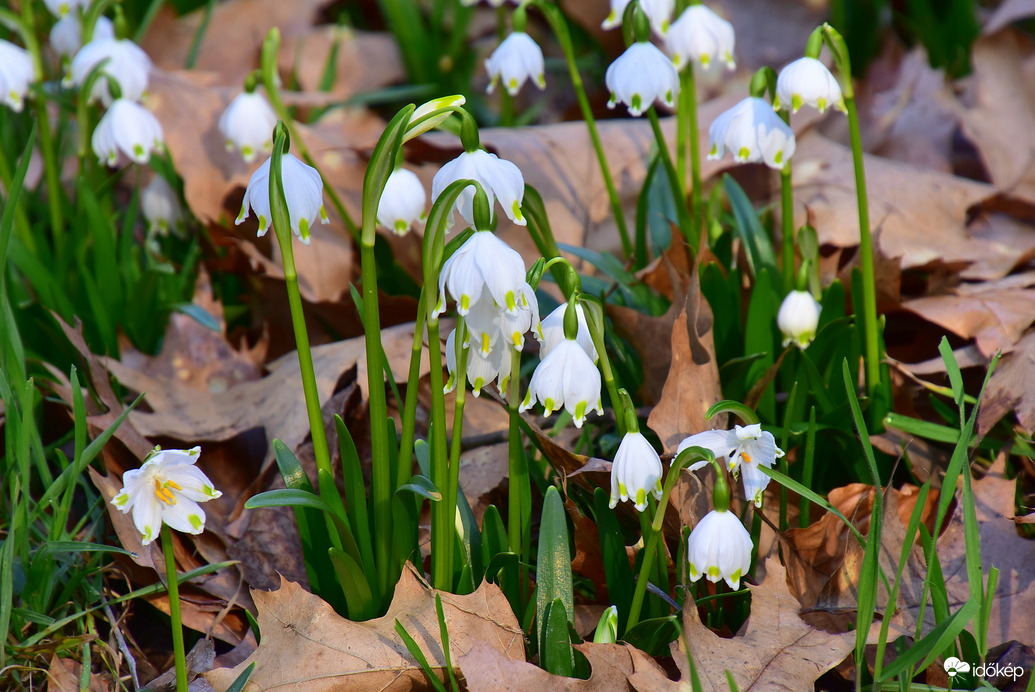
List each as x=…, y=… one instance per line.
x=307, y=647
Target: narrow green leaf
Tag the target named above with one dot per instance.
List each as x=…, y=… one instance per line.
x=443, y=631
x=934, y=643
x=553, y=567
x=757, y=246
x=555, y=653
x=421, y=485
x=419, y=656
x=354, y=582
x=617, y=571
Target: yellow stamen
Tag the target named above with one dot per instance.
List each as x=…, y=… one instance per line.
x=164, y=495
x=746, y=457
x=173, y=484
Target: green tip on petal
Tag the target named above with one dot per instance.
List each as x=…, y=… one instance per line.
x=195, y=521
x=736, y=578
x=743, y=154
x=262, y=222
x=138, y=149
x=695, y=573
x=622, y=490
x=209, y=490
x=713, y=573
x=303, y=229
x=641, y=498
x=323, y=214
x=821, y=104
x=714, y=151
x=636, y=103
x=479, y=382
x=580, y=410
x=668, y=96
x=465, y=303
x=121, y=499
x=795, y=103
x=401, y=226
x=706, y=60
x=778, y=159
x=149, y=534
x=246, y=151
x=516, y=209
x=511, y=302
x=549, y=405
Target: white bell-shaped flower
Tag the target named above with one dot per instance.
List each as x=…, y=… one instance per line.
x=635, y=472
x=16, y=74
x=62, y=8
x=303, y=192
x=719, y=548
x=659, y=12
x=167, y=488
x=745, y=448
x=753, y=132
x=130, y=128
x=402, y=202
x=517, y=59
x=126, y=63
x=798, y=318
x=551, y=332
x=498, y=177
x=641, y=75
x=808, y=82
x=701, y=36
x=247, y=125
x=484, y=263
x=66, y=36
x=565, y=378
x=161, y=207
x=482, y=369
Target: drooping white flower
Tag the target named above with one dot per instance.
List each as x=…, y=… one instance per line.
x=126, y=63
x=551, y=332
x=641, y=75
x=808, y=82
x=635, y=472
x=161, y=206
x=498, y=177
x=483, y=264
x=798, y=318
x=303, y=192
x=748, y=444
x=66, y=36
x=247, y=125
x=16, y=74
x=701, y=36
x=130, y=128
x=402, y=202
x=565, y=377
x=61, y=8
x=719, y=548
x=167, y=488
x=659, y=12
x=482, y=369
x=518, y=58
x=753, y=132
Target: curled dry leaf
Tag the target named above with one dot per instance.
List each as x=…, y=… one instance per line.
x=1011, y=388
x=307, y=647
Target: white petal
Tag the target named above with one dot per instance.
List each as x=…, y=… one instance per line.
x=184, y=515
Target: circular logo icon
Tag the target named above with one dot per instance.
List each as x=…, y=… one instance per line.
x=953, y=666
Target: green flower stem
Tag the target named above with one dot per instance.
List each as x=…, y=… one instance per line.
x=449, y=496
x=506, y=100
x=269, y=67
x=21, y=220
x=409, y=416
x=678, y=192
x=442, y=523
x=787, y=226
x=560, y=29
x=518, y=489
x=174, y=609
x=688, y=103
x=595, y=322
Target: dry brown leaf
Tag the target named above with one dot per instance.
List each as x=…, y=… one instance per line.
x=307, y=647
x=366, y=61
x=63, y=676
x=775, y=650
x=1011, y=388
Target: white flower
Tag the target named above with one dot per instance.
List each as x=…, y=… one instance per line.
x=247, y=125
x=16, y=73
x=482, y=369
x=167, y=488
x=60, y=8
x=516, y=59
x=551, y=332
x=426, y=109
x=161, y=206
x=303, y=192
x=753, y=132
x=701, y=36
x=498, y=177
x=482, y=263
x=641, y=75
x=744, y=443
x=402, y=202
x=126, y=63
x=798, y=318
x=130, y=128
x=719, y=547
x=636, y=471
x=566, y=377
x=808, y=82
x=66, y=36
x=659, y=12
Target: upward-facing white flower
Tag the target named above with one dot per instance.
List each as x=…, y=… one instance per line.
x=130, y=128
x=808, y=82
x=745, y=448
x=161, y=206
x=753, y=132
x=247, y=125
x=517, y=59
x=498, y=177
x=551, y=331
x=701, y=36
x=659, y=12
x=641, y=75
x=60, y=8
x=126, y=63
x=167, y=488
x=402, y=202
x=565, y=377
x=483, y=264
x=66, y=36
x=798, y=318
x=303, y=192
x=16, y=74
x=719, y=548
x=635, y=472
